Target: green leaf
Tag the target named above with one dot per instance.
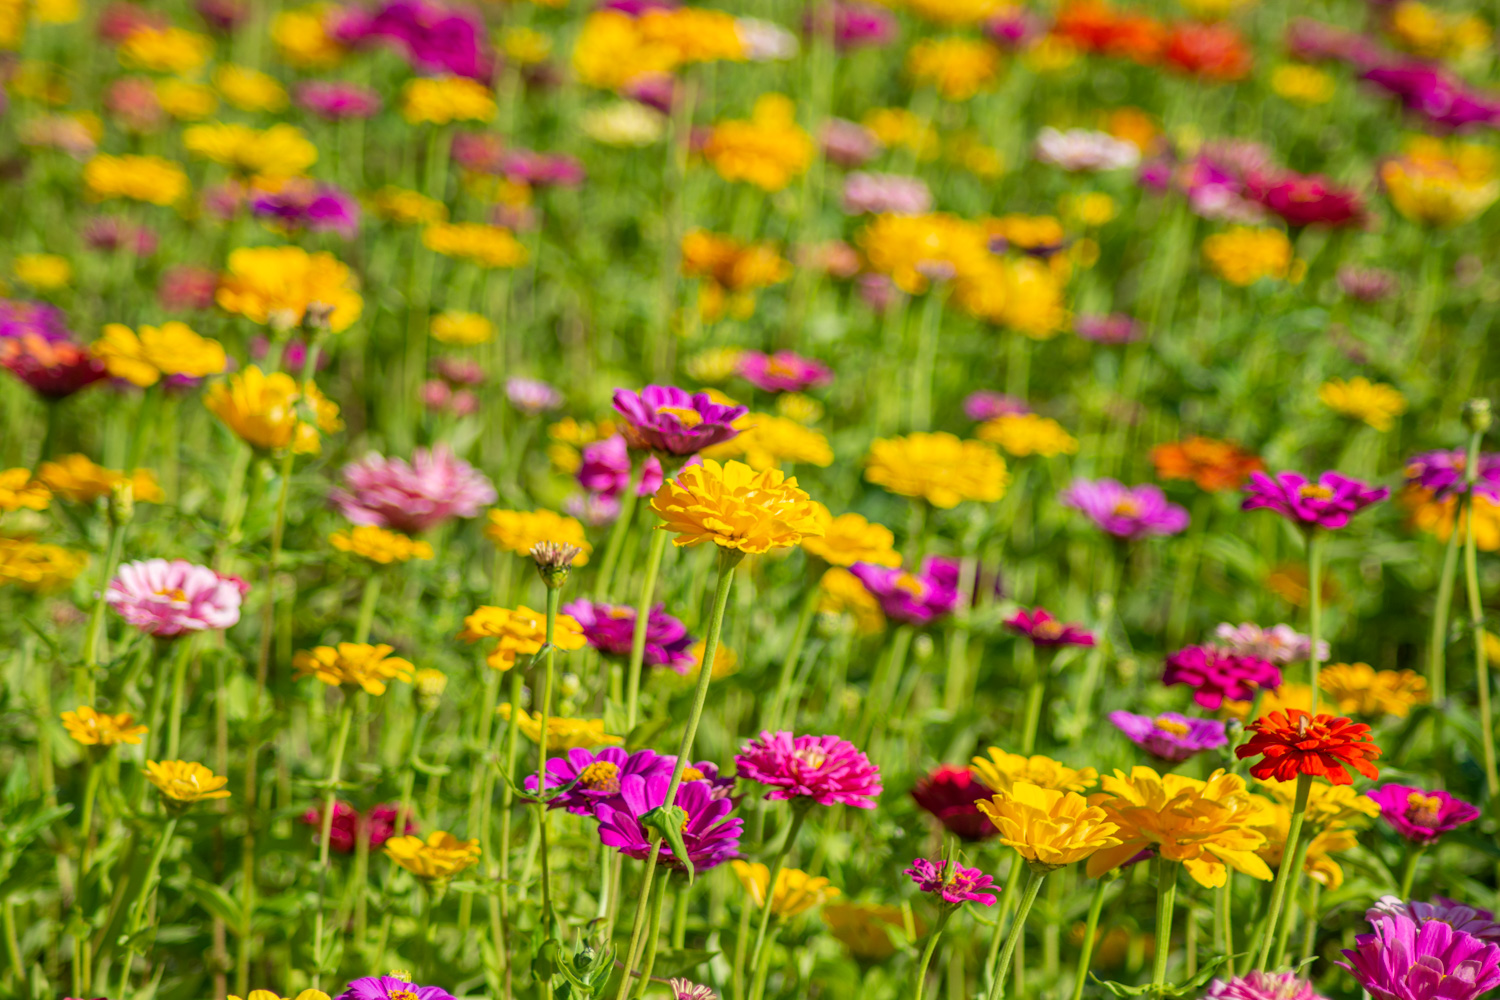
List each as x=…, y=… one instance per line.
x=1189, y=987
x=217, y=902
x=669, y=821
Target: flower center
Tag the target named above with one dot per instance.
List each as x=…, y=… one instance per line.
x=600, y=776
x=1127, y=508
x=1313, y=491
x=692, y=774
x=1172, y=726
x=1423, y=809
x=173, y=594
x=1048, y=630
x=401, y=995
x=776, y=367
x=910, y=584
x=811, y=756
x=686, y=416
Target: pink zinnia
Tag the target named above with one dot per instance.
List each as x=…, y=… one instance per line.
x=673, y=421
x=1262, y=986
x=827, y=770
x=1419, y=815
x=955, y=884
x=849, y=144
x=912, y=598
x=335, y=101
x=1328, y=503
x=167, y=599
x=987, y=405
x=606, y=469
x=379, y=824
x=783, y=371
x=885, y=194
x=390, y=493
x=1216, y=674
x=1471, y=920
x=1306, y=200
x=1124, y=511
x=1043, y=630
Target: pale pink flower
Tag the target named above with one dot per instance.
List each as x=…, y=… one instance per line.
x=167, y=599
x=412, y=497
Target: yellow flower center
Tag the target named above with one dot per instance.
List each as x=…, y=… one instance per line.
x=1423, y=809
x=692, y=774
x=401, y=995
x=686, y=416
x=1127, y=508
x=1313, y=491
x=1048, y=630
x=777, y=367
x=172, y=594
x=600, y=776
x=1172, y=726
x=910, y=584
x=811, y=756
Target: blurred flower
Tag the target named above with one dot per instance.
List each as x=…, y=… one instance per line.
x=764, y=442
x=1259, y=985
x=1442, y=99
x=726, y=660
x=113, y=235
x=436, y=859
x=685, y=989
x=20, y=318
x=624, y=124
x=164, y=50
x=767, y=150
x=487, y=246
x=18, y=491
x=938, y=468
x=1433, y=34
x=730, y=272
x=518, y=531
x=262, y=410
x=610, y=628
x=866, y=928
x=532, y=396
x=302, y=39
x=951, y=794
x=1001, y=769
x=1359, y=689
x=279, y=151
x=167, y=599
x=432, y=36
x=75, y=478
x=849, y=539
x=376, y=827
x=462, y=328
x=1026, y=434
x=1048, y=827
x=521, y=632
x=851, y=24
x=1079, y=150
x=1213, y=466
x=614, y=49
x=1129, y=512
x=1373, y=403
x=1216, y=674
x=709, y=836
x=1328, y=503
x=186, y=101
x=1044, y=630
x=1419, y=815
x=52, y=369
x=1214, y=52
x=445, y=100
x=36, y=567
x=1014, y=27
x=434, y=487
x=606, y=469
x=301, y=205
x=249, y=89
x=1242, y=256
x=353, y=664
x=1115, y=328
x=90, y=728
x=848, y=144
x=1170, y=736
x=1367, y=284
x=407, y=207
x=877, y=193
x=43, y=271
x=280, y=286
x=562, y=734
x=953, y=884
x=912, y=598
x=185, y=782
x=1468, y=919
x=379, y=545
x=841, y=592
x=1306, y=200
x=1439, y=517
x=1402, y=960
x=186, y=287
x=170, y=349
x=1279, y=643
x=1437, y=185
x=957, y=68
x=796, y=891
x=827, y=770
x=782, y=371
x=337, y=100
x=1294, y=743
x=987, y=405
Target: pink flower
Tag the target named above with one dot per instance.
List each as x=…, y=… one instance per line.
x=1279, y=643
x=1469, y=919
x=1306, y=200
x=542, y=169
x=849, y=144
x=1123, y=511
x=1262, y=986
x=379, y=825
x=912, y=598
x=1115, y=328
x=606, y=469
x=112, y=234
x=855, y=25
x=956, y=885
x=783, y=371
x=390, y=493
x=531, y=396
x=1080, y=149
x=673, y=421
x=1419, y=815
x=1328, y=503
x=878, y=194
x=987, y=405
x=1217, y=675
x=827, y=770
x=167, y=599
x=335, y=100
x=1403, y=960
x=1043, y=630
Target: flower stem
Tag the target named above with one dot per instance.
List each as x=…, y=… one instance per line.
x=1018, y=927
x=1090, y=931
x=1166, y=899
x=179, y=681
x=325, y=832
x=799, y=813
x=368, y=599
x=1476, y=619
x=642, y=624
x=926, y=359
x=1314, y=610
x=658, y=894
x=1437, y=645
x=1285, y=873
x=1414, y=854
x=920, y=983
x=93, y=638
x=137, y=908
x=1012, y=887
x=554, y=598
x=793, y=653
x=604, y=582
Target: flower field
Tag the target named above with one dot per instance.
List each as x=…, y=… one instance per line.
x=846, y=500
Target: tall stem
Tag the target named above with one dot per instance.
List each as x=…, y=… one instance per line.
x=1437, y=644
x=94, y=636
x=1166, y=899
x=919, y=986
x=554, y=598
x=1090, y=931
x=1476, y=620
x=799, y=814
x=1011, y=893
x=179, y=681
x=1284, y=874
x=658, y=894
x=1017, y=928
x=1414, y=854
x=1314, y=610
x=926, y=359
x=642, y=625
x=368, y=599
x=325, y=832
x=137, y=909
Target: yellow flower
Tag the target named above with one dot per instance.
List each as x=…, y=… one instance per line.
x=958, y=68
x=624, y=124
x=865, y=928
x=955, y=12
x=1334, y=813
x=443, y=100
x=939, y=468
x=249, y=89
x=796, y=891
x=562, y=734
x=1048, y=827
x=139, y=178
x=898, y=128
x=185, y=782
x=1214, y=10
x=75, y=478
x=518, y=530
x=1275, y=822
x=19, y=491
x=728, y=267
x=91, y=728
x=12, y=24
x=278, y=285
x=851, y=538
x=613, y=48
x=906, y=246
x=165, y=50
x=765, y=442
x=1360, y=689
x=1373, y=403
x=1002, y=769
x=1243, y=255
x=465, y=328
x=768, y=150
x=171, y=349
x=1435, y=34
x=1092, y=208
x=353, y=664
x=43, y=271
x=39, y=81
x=526, y=46
x=407, y=207
x=1205, y=825
x=1023, y=434
x=1437, y=517
x=968, y=150
x=521, y=632
x=487, y=246
x=734, y=507
x=1328, y=806
x=56, y=11
x=273, y=995
x=430, y=685
x=799, y=407
x=36, y=567
x=302, y=40
x=1302, y=84
x=186, y=101
x=379, y=545
x=1439, y=184
x=436, y=859
x=279, y=151
x=262, y=410
x=726, y=660
x=715, y=365
x=841, y=592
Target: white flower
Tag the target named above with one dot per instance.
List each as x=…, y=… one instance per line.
x=1084, y=149
x=765, y=41
x=624, y=123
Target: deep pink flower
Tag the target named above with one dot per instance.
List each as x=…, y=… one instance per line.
x=655, y=90
x=459, y=371
x=131, y=101
x=596, y=777
x=1419, y=815
x=956, y=885
x=167, y=599
x=855, y=25
x=606, y=469
x=1306, y=200
x=54, y=369
x=336, y=100
x=542, y=169
x=1443, y=474
x=19, y=318
x=949, y=793
x=302, y=204
x=1170, y=736
x=828, y=770
x=391, y=988
x=1124, y=511
x=783, y=371
x=223, y=16
x=1015, y=27
x=710, y=836
x=1262, y=986
x=379, y=824
x=1314, y=41
x=1402, y=960
x=1113, y=328
x=666, y=419
x=111, y=235
x=1043, y=630
x=187, y=288
x=987, y=405
x=1434, y=94
x=119, y=20
x=434, y=37
x=610, y=628
x=593, y=509
x=1328, y=503
x=390, y=493
x=1216, y=674
x=912, y=598
x=1468, y=919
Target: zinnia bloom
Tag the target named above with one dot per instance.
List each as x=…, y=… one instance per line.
x=1262, y=986
x=262, y=411
x=1373, y=403
x=167, y=599
x=1048, y=827
x=1324, y=746
x=849, y=539
x=53, y=369
x=938, y=468
x=827, y=770
x=1419, y=815
x=955, y=884
x=782, y=371
x=377, y=826
x=1124, y=511
x=796, y=891
x=734, y=507
x=278, y=285
x=18, y=491
x=1279, y=643
x=519, y=531
x=1002, y=769
x=390, y=493
x=379, y=545
x=672, y=421
x=913, y=598
x=1043, y=630
x=391, y=987
x=521, y=632
x=1170, y=736
x=951, y=794
x=1468, y=919
x=610, y=628
x=562, y=733
x=1078, y=150
x=1306, y=200
x=591, y=777
x=75, y=478
x=1403, y=960
x=353, y=664
x=1213, y=466
x=185, y=782
x=709, y=835
x=607, y=467
x=1216, y=674
x=436, y=859
x=171, y=349
x=90, y=728
x=1360, y=689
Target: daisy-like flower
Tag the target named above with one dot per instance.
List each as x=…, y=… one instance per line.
x=279, y=286
x=952, y=795
x=827, y=770
x=734, y=507
x=1001, y=769
x=610, y=628
x=796, y=891
x=377, y=826
x=1328, y=503
x=412, y=497
x=353, y=664
x=709, y=835
x=1404, y=960
x=686, y=989
x=955, y=885
x=379, y=545
x=595, y=777
x=673, y=421
x=1373, y=403
x=1419, y=815
x=938, y=468
x=1262, y=986
x=75, y=478
x=1444, y=473
x=1048, y=827
x=849, y=539
x=1293, y=743
x=143, y=358
x=98, y=729
x=1212, y=465
x=1280, y=643
x=53, y=369
x=262, y=410
x=521, y=632
x=1216, y=674
x=167, y=599
x=562, y=734
x=185, y=782
x=1169, y=736
x=782, y=371
x=1124, y=511
x=1043, y=630
x=532, y=396
x=436, y=859
x=1467, y=919
x=607, y=467
x=390, y=988
x=912, y=598
x=519, y=531
x=274, y=995
x=1360, y=689
x=1025, y=434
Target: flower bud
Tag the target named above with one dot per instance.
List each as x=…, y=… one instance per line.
x=553, y=560
x=121, y=502
x=1477, y=415
x=430, y=685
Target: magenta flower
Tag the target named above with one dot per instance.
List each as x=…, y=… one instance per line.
x=673, y=421
x=709, y=836
x=849, y=144
x=595, y=777
x=1043, y=630
x=1114, y=328
x=855, y=25
x=1015, y=27
x=532, y=396
x=1469, y=919
x=379, y=825
x=1314, y=41
x=1419, y=815
x=686, y=989
x=542, y=169
x=1279, y=643
x=53, y=369
x=1443, y=474
x=956, y=885
x=304, y=205
x=783, y=371
x=610, y=629
x=885, y=194
x=1328, y=503
x=912, y=599
x=950, y=794
x=388, y=492
x=335, y=100
x=1124, y=511
x=1216, y=674
x=1169, y=736
x=390, y=988
x=167, y=599
x=1402, y=960
x=606, y=469
x=987, y=405
x=1262, y=986
x=1306, y=200
x=1435, y=94
x=433, y=37
x=827, y=770
x=19, y=318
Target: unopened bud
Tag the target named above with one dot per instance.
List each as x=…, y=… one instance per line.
x=121, y=502
x=1477, y=416
x=430, y=686
x=553, y=560
x=317, y=316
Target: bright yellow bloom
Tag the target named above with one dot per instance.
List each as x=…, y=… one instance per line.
x=464, y=328
x=613, y=48
x=263, y=411
x=841, y=592
x=249, y=89
x=407, y=207
x=955, y=12
x=1205, y=825
x=1092, y=208
x=430, y=685
x=43, y=271
x=12, y=24
x=165, y=50
x=909, y=247
x=1002, y=769
x=379, y=545
x=1442, y=184
x=767, y=150
x=436, y=859
x=1023, y=434
x=1275, y=823
x=796, y=891
x=19, y=491
x=37, y=567
x=1048, y=827
x=734, y=507
x=303, y=41
x=353, y=664
x=799, y=407
x=1215, y=10
x=562, y=734
x=185, y=782
x=186, y=101
x=1244, y=255
x=1435, y=34
x=1373, y=403
x=91, y=728
x=487, y=246
x=958, y=68
x=75, y=478
x=273, y=995
x=521, y=632
x=279, y=285
x=729, y=271
x=139, y=178
x=1437, y=517
x=56, y=11
x=726, y=660
x=443, y=100
x=1328, y=806
x=525, y=45
x=898, y=128
x=939, y=468
x=1302, y=84
x=518, y=530
x=279, y=151
x=1360, y=689
x=866, y=928
x=170, y=349
x=851, y=538
x=764, y=442
x=1334, y=814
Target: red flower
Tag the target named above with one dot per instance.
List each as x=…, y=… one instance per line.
x=54, y=370
x=950, y=794
x=1323, y=746
x=1212, y=51
x=1307, y=200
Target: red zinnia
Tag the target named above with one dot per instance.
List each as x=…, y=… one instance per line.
x=949, y=794
x=1296, y=743
x=1211, y=51
x=55, y=369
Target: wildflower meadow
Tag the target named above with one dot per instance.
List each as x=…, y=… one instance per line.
x=851, y=500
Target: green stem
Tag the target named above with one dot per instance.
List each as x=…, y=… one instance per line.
x=642, y=623
x=1017, y=928
x=1166, y=899
x=368, y=599
x=794, y=653
x=1476, y=620
x=919, y=985
x=1090, y=932
x=680, y=915
x=1414, y=854
x=926, y=359
x=137, y=909
x=1437, y=645
x=179, y=681
x=799, y=814
x=763, y=969
x=654, y=922
x=17, y=970
x=1284, y=874
x=1283, y=935
x=1314, y=610
x=325, y=832
x=1011, y=893
x=93, y=638
x=554, y=598
x=507, y=802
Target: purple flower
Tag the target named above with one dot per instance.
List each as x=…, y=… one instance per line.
x=302, y=204
x=709, y=836
x=334, y=100
x=596, y=776
x=1419, y=815
x=829, y=770
x=18, y=318
x=1216, y=674
x=1443, y=474
x=1014, y=27
x=1402, y=960
x=1468, y=919
x=956, y=885
x=1043, y=630
x=707, y=772
x=1170, y=736
x=1279, y=643
x=1115, y=328
x=606, y=469
x=542, y=169
x=531, y=395
x=610, y=628
x=855, y=25
x=412, y=497
x=987, y=405
x=1262, y=986
x=912, y=599
x=885, y=194
x=783, y=371
x=390, y=988
x=1328, y=503
x=1435, y=95
x=664, y=418
x=1123, y=511
x=433, y=37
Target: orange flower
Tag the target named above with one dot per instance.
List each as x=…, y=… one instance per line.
x=1212, y=51
x=1094, y=26
x=1294, y=743
x=1213, y=465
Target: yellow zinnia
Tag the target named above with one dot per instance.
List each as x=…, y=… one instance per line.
x=1441, y=184
x=279, y=151
x=938, y=468
x=866, y=928
x=1360, y=689
x=841, y=592
x=447, y=99
x=185, y=782
x=75, y=478
x=352, y=664
x=170, y=349
x=519, y=530
x=407, y=207
x=463, y=328
x=42, y=271
x=37, y=567
x=249, y=89
x=851, y=538
x=957, y=68
x=1048, y=827
x=1373, y=403
x=767, y=150
x=98, y=729
x=734, y=507
x=379, y=545
x=764, y=442
x=165, y=50
x=18, y=491
x=139, y=178
x=436, y=859
x=262, y=410
x=279, y=285
x=1243, y=255
x=562, y=734
x=1001, y=769
x=796, y=891
x=487, y=246
x=521, y=632
x=1022, y=434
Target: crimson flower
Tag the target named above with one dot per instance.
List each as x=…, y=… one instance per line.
x=53, y=369
x=950, y=794
x=1306, y=200
x=1043, y=630
x=1294, y=742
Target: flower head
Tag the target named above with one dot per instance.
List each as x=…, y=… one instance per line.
x=393, y=987
x=1279, y=643
x=1419, y=815
x=1324, y=746
x=337, y=100
x=913, y=598
x=849, y=539
x=263, y=411
x=840, y=592
x=353, y=664
x=279, y=151
x=1170, y=736
x=1360, y=689
x=1438, y=186
x=75, y=478
x=709, y=835
x=376, y=826
x=827, y=770
x=446, y=99
x=532, y=396
x=957, y=68
x=1467, y=919
x=951, y=794
x=1125, y=511
x=138, y=178
x=767, y=150
x=91, y=728
x=53, y=369
x=1216, y=674
x=185, y=782
x=866, y=928
x=1259, y=985
x=279, y=286
x=686, y=989
x=1000, y=770
x=1213, y=466
x=1306, y=200
x=167, y=599
x=938, y=468
x=596, y=776
x=300, y=205
x=521, y=632
x=484, y=245
x=1043, y=630
x=36, y=567
x=171, y=349
x=1023, y=434
x=18, y=491
x=519, y=531
x=562, y=733
x=436, y=859
x=782, y=371
x=672, y=421
x=1078, y=150
x=379, y=545
x=796, y=891
x=1404, y=960
x=954, y=884
x=1373, y=403
x=1243, y=255
x=1048, y=827
x=412, y=497
x=610, y=628
x=734, y=507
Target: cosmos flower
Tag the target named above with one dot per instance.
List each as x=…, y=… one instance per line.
x=951, y=794
x=1419, y=815
x=596, y=776
x=610, y=628
x=1293, y=743
x=827, y=770
x=1043, y=630
x=1216, y=674
x=955, y=884
x=1124, y=511
x=1170, y=736
x=169, y=599
x=434, y=487
x=709, y=835
x=1403, y=960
